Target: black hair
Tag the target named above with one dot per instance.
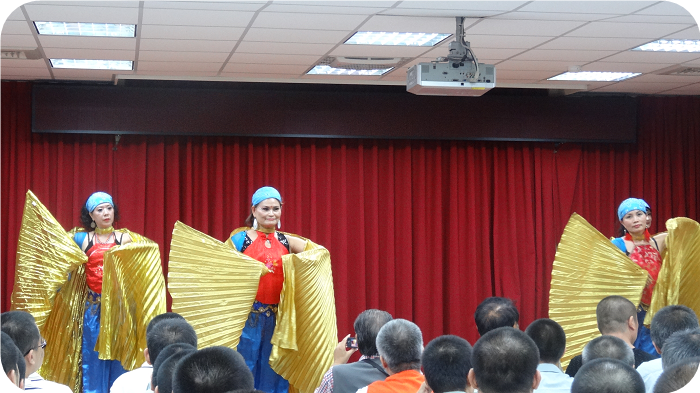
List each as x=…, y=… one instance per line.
x=163, y=376
x=400, y=344
x=446, y=362
x=550, y=339
x=669, y=320
x=607, y=375
x=495, y=312
x=367, y=326
x=677, y=376
x=163, y=317
x=212, y=370
x=9, y=354
x=612, y=314
x=169, y=332
x=22, y=329
x=505, y=360
x=680, y=345
x=608, y=347
x=168, y=351
x=86, y=220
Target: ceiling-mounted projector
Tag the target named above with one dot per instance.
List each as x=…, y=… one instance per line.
x=458, y=74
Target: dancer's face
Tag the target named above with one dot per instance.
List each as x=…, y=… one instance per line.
x=635, y=222
x=103, y=215
x=268, y=213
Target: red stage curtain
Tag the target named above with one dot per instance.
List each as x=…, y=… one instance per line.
x=423, y=229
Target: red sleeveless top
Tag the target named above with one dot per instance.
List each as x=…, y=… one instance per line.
x=271, y=284
x=94, y=266
x=649, y=259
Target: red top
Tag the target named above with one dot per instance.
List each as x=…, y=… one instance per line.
x=649, y=259
x=94, y=266
x=270, y=284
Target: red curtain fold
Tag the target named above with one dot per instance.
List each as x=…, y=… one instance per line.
x=423, y=229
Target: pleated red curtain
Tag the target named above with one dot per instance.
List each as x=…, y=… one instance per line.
x=423, y=229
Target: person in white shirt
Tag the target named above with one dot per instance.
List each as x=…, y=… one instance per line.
x=551, y=342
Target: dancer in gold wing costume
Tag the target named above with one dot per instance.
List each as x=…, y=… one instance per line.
x=53, y=283
x=266, y=293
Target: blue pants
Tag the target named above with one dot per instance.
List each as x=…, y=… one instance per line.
x=643, y=341
x=255, y=347
x=98, y=375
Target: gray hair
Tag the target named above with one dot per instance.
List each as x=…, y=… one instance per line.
x=608, y=347
x=400, y=344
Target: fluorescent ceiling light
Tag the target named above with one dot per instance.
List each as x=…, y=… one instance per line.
x=393, y=38
x=328, y=70
x=671, y=46
x=86, y=29
x=594, y=76
x=121, y=65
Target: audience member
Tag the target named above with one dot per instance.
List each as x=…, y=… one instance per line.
x=495, y=312
x=505, y=360
x=347, y=378
x=607, y=376
x=211, y=370
x=608, y=347
x=617, y=317
x=400, y=344
x=139, y=379
x=168, y=351
x=10, y=357
x=446, y=363
x=677, y=376
x=679, y=346
x=666, y=321
x=550, y=339
x=166, y=368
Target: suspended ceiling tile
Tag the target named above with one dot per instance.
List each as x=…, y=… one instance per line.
x=92, y=54
x=54, y=41
x=283, y=48
x=633, y=56
x=178, y=66
x=301, y=35
x=25, y=73
x=501, y=6
x=74, y=13
x=114, y=4
x=641, y=88
x=186, y=75
x=14, y=63
x=638, y=18
x=522, y=27
x=439, y=13
x=686, y=90
x=554, y=67
x=349, y=3
x=16, y=27
x=407, y=24
x=257, y=58
x=586, y=43
x=529, y=75
x=563, y=16
x=564, y=55
x=193, y=57
x=206, y=5
x=680, y=79
x=187, y=45
x=626, y=30
x=191, y=32
x=665, y=8
x=20, y=41
x=379, y=51
x=691, y=33
x=587, y=7
x=625, y=67
x=16, y=15
x=265, y=68
x=504, y=41
x=152, y=16
x=340, y=8
x=308, y=21
x=63, y=73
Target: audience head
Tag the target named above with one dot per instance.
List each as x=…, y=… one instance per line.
x=168, y=351
x=617, y=316
x=608, y=347
x=400, y=344
x=495, y=312
x=669, y=320
x=607, y=376
x=677, y=376
x=163, y=317
x=680, y=345
x=163, y=377
x=169, y=331
x=549, y=338
x=367, y=326
x=446, y=364
x=211, y=370
x=10, y=358
x=505, y=360
x=22, y=329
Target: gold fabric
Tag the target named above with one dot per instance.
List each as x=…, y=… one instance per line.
x=587, y=268
x=680, y=272
x=212, y=285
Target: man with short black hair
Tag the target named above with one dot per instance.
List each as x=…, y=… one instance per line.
x=617, y=317
x=681, y=345
x=164, y=367
x=10, y=358
x=678, y=376
x=446, y=364
x=168, y=351
x=347, y=378
x=212, y=370
x=495, y=312
x=550, y=339
x=608, y=347
x=505, y=360
x=607, y=375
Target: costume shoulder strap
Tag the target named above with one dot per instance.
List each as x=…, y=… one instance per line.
x=620, y=243
x=79, y=238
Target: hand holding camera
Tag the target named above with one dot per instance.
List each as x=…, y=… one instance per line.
x=345, y=348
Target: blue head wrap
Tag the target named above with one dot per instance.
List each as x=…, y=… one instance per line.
x=631, y=204
x=98, y=198
x=264, y=193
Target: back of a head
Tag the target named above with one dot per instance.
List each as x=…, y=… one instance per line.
x=9, y=354
x=367, y=326
x=679, y=346
x=550, y=339
x=167, y=352
x=163, y=317
x=22, y=329
x=612, y=314
x=400, y=344
x=608, y=347
x=168, y=332
x=677, y=376
x=607, y=376
x=495, y=312
x=163, y=376
x=505, y=360
x=212, y=370
x=446, y=362
x=669, y=320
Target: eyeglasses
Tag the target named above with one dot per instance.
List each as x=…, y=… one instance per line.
x=41, y=345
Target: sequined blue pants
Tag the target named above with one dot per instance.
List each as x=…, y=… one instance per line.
x=643, y=341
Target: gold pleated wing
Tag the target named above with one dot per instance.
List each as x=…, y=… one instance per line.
x=133, y=292
x=306, y=331
x=212, y=285
x=679, y=276
x=587, y=268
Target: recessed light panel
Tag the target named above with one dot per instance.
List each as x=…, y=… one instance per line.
x=671, y=46
x=328, y=70
x=594, y=76
x=394, y=38
x=86, y=29
x=119, y=65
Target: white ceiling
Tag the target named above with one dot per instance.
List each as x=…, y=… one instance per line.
x=279, y=41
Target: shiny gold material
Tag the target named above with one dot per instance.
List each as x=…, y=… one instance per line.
x=587, y=268
x=102, y=231
x=680, y=272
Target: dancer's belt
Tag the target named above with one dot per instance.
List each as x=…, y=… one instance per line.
x=267, y=309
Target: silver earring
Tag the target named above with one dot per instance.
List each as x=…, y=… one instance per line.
x=92, y=224
x=279, y=224
x=255, y=223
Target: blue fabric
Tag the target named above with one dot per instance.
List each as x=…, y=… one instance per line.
x=97, y=199
x=255, y=347
x=79, y=238
x=238, y=239
x=631, y=204
x=643, y=341
x=98, y=375
x=264, y=193
x=620, y=243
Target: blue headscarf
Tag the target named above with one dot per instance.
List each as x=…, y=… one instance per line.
x=98, y=198
x=631, y=204
x=264, y=193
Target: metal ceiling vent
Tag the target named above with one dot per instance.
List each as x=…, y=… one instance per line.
x=363, y=63
x=680, y=70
